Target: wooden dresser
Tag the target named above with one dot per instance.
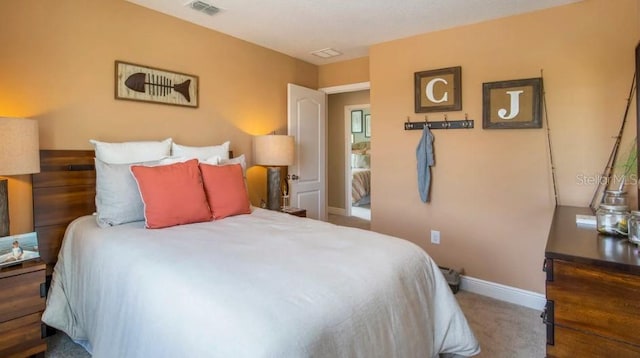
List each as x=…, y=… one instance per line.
x=22, y=292
x=593, y=291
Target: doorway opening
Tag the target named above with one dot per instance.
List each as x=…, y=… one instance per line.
x=340, y=99
x=357, y=120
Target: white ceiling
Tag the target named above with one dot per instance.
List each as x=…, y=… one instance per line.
x=299, y=27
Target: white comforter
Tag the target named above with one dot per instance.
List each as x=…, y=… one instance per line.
x=260, y=285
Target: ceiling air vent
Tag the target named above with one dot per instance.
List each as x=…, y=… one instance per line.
x=326, y=53
x=203, y=7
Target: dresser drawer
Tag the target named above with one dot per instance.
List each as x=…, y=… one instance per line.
x=21, y=337
x=20, y=294
x=603, y=302
x=579, y=344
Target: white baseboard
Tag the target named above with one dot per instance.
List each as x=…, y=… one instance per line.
x=337, y=211
x=503, y=293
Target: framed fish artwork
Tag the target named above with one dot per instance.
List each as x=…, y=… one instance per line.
x=149, y=84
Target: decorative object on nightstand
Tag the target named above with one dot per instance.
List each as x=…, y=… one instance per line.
x=613, y=213
x=273, y=151
x=16, y=249
x=285, y=193
x=634, y=227
x=19, y=154
x=630, y=164
x=22, y=301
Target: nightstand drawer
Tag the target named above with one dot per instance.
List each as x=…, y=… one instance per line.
x=20, y=295
x=580, y=344
x=596, y=300
x=21, y=337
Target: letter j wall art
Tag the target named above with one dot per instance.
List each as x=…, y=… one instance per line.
x=512, y=104
x=148, y=84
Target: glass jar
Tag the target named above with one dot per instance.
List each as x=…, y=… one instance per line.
x=615, y=197
x=612, y=219
x=285, y=202
x=634, y=227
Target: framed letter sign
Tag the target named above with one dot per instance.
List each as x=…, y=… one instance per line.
x=512, y=104
x=438, y=90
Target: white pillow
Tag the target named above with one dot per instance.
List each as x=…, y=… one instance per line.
x=118, y=199
x=360, y=161
x=201, y=153
x=215, y=160
x=172, y=160
x=237, y=160
x=131, y=152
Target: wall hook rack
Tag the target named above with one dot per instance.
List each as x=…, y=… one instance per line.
x=465, y=123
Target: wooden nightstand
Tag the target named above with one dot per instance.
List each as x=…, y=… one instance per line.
x=22, y=301
x=592, y=284
x=295, y=212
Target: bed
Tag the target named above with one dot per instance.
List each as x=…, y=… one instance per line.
x=260, y=284
x=360, y=173
x=360, y=186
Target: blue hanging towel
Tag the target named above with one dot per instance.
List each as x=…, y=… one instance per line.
x=424, y=155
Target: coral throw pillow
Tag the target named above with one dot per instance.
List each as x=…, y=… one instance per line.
x=172, y=194
x=226, y=191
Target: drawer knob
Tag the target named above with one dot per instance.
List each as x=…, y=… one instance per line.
x=547, y=266
x=547, y=318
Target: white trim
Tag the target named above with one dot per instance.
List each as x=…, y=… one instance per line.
x=503, y=293
x=360, y=86
x=337, y=211
x=347, y=153
x=347, y=161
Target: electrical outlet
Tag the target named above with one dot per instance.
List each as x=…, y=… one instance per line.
x=435, y=237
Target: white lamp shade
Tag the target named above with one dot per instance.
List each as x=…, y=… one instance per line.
x=273, y=150
x=19, y=146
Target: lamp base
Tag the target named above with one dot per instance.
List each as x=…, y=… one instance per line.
x=273, y=188
x=4, y=207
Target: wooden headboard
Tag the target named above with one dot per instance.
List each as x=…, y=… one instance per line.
x=64, y=190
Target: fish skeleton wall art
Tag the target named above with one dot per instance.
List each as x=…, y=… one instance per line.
x=143, y=83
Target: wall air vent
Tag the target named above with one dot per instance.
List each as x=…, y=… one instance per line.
x=203, y=7
x=327, y=53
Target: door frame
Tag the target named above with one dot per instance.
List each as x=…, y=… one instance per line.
x=352, y=87
x=347, y=153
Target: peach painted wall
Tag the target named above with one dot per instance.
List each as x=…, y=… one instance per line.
x=57, y=66
x=492, y=196
x=344, y=72
x=336, y=142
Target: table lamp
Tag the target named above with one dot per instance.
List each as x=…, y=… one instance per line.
x=273, y=151
x=19, y=154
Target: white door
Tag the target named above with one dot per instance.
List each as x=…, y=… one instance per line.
x=307, y=122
